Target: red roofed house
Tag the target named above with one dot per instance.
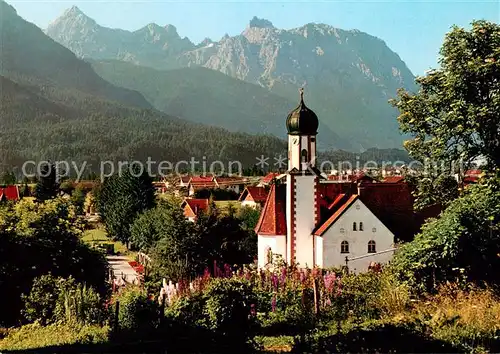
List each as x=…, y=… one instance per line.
x=393, y=179
x=236, y=184
x=312, y=221
x=201, y=182
x=266, y=180
x=192, y=207
x=253, y=196
x=184, y=181
x=9, y=193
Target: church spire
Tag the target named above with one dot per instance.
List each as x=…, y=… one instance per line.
x=302, y=120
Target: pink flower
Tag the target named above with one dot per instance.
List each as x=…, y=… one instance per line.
x=274, y=279
x=273, y=303
x=283, y=276
x=302, y=276
x=330, y=280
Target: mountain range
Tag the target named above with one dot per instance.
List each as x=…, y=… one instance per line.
x=348, y=75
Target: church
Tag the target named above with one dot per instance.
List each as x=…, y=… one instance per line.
x=312, y=221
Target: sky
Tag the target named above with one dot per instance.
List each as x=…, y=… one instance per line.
x=414, y=29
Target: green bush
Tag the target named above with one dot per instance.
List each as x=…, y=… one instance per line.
x=40, y=304
x=80, y=304
x=228, y=305
x=188, y=310
x=293, y=311
x=137, y=313
x=54, y=299
x=463, y=242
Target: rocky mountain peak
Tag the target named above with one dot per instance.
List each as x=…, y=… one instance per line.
x=73, y=17
x=74, y=10
x=256, y=22
x=172, y=30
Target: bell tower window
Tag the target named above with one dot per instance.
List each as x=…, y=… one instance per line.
x=304, y=155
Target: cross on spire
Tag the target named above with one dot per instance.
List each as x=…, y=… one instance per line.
x=301, y=90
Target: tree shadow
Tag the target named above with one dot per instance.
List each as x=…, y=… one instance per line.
x=383, y=338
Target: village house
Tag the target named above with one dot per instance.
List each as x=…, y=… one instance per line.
x=198, y=183
x=192, y=207
x=267, y=179
x=235, y=184
x=311, y=220
x=184, y=181
x=253, y=196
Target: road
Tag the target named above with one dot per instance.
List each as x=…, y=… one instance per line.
x=122, y=270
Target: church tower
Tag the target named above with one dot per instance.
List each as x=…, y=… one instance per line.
x=302, y=208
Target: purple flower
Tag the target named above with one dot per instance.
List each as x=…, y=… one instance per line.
x=227, y=271
x=274, y=280
x=273, y=303
x=330, y=279
x=253, y=312
x=283, y=276
x=302, y=276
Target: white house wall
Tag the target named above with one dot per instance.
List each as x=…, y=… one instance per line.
x=276, y=243
x=373, y=229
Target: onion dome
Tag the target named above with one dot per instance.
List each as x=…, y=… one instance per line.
x=302, y=120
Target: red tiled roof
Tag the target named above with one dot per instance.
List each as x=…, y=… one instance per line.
x=336, y=202
x=269, y=177
x=230, y=179
x=202, y=179
x=203, y=185
x=9, y=192
x=331, y=220
x=196, y=205
x=393, y=179
x=360, y=176
x=257, y=194
x=272, y=220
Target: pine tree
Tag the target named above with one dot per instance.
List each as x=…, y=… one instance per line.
x=47, y=186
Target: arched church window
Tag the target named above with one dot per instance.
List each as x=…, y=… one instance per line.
x=304, y=155
x=361, y=226
x=372, y=247
x=354, y=226
x=344, y=247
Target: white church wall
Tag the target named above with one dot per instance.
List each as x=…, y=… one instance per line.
x=304, y=219
x=294, y=152
x=289, y=218
x=318, y=244
x=277, y=244
x=342, y=230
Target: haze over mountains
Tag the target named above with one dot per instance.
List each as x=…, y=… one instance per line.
x=349, y=75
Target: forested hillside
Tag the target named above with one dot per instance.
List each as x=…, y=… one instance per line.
x=208, y=96
x=94, y=130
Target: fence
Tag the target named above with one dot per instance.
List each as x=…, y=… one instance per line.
x=368, y=255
